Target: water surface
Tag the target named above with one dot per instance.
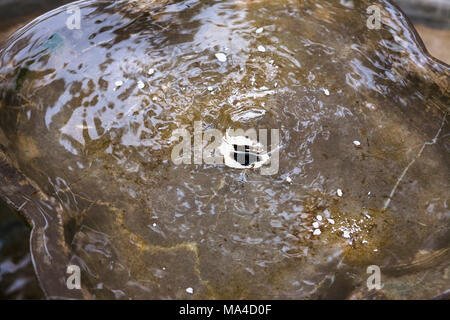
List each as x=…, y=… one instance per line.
x=87, y=116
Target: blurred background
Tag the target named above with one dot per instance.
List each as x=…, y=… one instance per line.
x=432, y=20
x=17, y=279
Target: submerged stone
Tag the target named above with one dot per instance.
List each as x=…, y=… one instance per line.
x=87, y=118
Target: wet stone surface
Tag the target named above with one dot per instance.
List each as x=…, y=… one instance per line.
x=87, y=117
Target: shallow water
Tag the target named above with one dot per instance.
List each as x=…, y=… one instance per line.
x=88, y=114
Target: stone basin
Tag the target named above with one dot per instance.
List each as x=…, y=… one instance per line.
x=87, y=122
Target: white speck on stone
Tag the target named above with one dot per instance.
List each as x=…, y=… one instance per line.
x=210, y=89
x=339, y=193
x=154, y=224
x=326, y=91
x=221, y=57
x=370, y=106
x=346, y=234
x=151, y=71
x=155, y=98
x=368, y=193
x=317, y=232
x=141, y=85
x=356, y=143
x=261, y=49
x=288, y=179
x=80, y=126
x=375, y=250
x=319, y=217
x=365, y=241
x=331, y=221
x=190, y=290
x=260, y=30
x=118, y=83
x=315, y=225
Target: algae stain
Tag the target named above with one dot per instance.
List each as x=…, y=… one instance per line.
x=54, y=43
x=21, y=76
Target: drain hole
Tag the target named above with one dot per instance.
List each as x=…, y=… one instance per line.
x=244, y=156
x=241, y=152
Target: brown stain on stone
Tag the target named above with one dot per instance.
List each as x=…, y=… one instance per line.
x=28, y=148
